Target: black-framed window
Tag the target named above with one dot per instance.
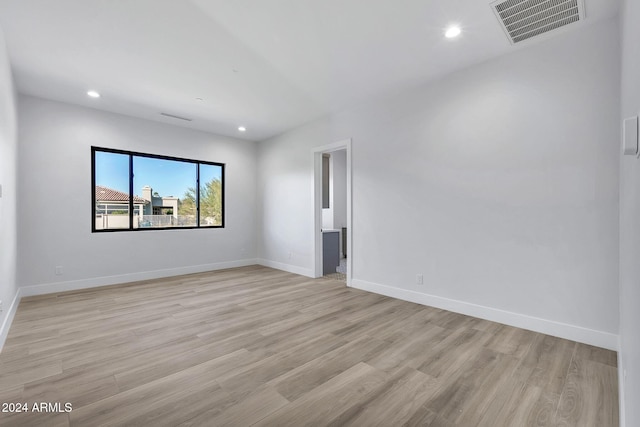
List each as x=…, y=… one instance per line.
x=140, y=191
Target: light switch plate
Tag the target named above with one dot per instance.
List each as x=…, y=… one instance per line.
x=630, y=139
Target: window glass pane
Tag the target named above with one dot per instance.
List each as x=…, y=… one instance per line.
x=210, y=195
x=165, y=191
x=111, y=191
x=166, y=188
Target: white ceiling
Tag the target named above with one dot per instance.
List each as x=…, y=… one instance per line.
x=270, y=65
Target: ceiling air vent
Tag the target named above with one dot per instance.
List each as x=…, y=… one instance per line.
x=524, y=19
x=173, y=116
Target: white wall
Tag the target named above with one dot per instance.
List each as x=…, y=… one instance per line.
x=335, y=216
x=8, y=201
x=55, y=180
x=498, y=183
x=285, y=191
x=339, y=187
x=327, y=213
x=629, y=226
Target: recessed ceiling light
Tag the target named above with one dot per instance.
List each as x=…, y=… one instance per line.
x=242, y=128
x=452, y=31
x=93, y=94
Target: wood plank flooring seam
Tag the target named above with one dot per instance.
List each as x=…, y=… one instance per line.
x=565, y=380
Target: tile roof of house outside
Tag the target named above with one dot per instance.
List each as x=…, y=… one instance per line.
x=106, y=194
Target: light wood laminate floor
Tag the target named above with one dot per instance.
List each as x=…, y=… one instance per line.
x=256, y=346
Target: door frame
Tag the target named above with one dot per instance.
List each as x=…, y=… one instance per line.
x=317, y=206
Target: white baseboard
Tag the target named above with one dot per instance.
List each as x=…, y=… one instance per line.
x=571, y=332
x=286, y=267
x=48, y=288
x=8, y=320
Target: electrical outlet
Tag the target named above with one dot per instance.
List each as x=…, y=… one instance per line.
x=59, y=270
x=419, y=279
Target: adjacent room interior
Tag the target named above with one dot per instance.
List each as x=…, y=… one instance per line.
x=319, y=213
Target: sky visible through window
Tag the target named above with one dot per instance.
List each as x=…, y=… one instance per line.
x=165, y=177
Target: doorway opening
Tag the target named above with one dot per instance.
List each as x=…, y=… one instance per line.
x=332, y=211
